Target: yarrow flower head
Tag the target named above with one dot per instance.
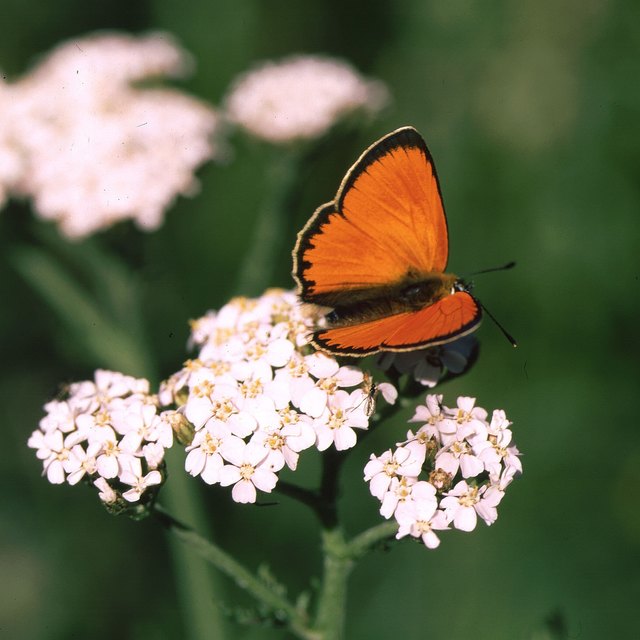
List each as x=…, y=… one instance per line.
x=300, y=97
x=89, y=147
x=257, y=395
x=108, y=432
x=452, y=470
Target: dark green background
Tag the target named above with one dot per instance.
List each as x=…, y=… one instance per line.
x=531, y=111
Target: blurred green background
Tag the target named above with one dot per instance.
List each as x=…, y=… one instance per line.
x=531, y=111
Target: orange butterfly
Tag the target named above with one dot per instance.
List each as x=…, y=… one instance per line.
x=377, y=253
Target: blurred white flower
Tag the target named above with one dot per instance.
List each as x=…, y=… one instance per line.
x=455, y=468
x=89, y=147
x=11, y=164
x=257, y=395
x=300, y=97
x=107, y=431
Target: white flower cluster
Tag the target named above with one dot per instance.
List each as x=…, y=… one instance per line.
x=89, y=147
x=453, y=469
x=300, y=97
x=107, y=431
x=257, y=395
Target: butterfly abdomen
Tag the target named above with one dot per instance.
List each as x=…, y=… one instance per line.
x=408, y=295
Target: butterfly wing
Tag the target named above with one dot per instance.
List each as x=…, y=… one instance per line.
x=386, y=224
x=451, y=317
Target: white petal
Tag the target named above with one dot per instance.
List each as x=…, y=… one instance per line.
x=195, y=462
x=264, y=479
x=133, y=495
x=349, y=376
x=379, y=485
x=244, y=492
x=233, y=450
x=229, y=475
x=242, y=424
x=279, y=352
x=345, y=438
x=470, y=466
x=152, y=478
x=314, y=402
x=321, y=365
x=55, y=472
x=465, y=519
x=430, y=540
x=388, y=392
x=107, y=466
x=211, y=472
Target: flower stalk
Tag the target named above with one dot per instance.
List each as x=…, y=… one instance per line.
x=282, y=609
x=337, y=566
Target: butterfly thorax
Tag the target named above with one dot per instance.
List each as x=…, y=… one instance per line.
x=410, y=294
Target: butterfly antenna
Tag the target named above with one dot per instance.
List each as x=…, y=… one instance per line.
x=504, y=267
x=506, y=334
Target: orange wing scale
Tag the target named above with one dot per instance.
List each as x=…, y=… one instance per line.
x=449, y=318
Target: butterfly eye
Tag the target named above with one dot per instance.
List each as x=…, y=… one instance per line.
x=332, y=317
x=461, y=285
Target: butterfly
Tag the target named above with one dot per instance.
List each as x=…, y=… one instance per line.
x=376, y=256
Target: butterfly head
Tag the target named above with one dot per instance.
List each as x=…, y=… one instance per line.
x=462, y=285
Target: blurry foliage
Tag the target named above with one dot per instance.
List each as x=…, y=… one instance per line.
x=530, y=110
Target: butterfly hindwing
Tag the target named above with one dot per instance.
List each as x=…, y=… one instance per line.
x=451, y=317
x=387, y=223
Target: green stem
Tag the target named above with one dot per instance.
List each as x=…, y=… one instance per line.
x=364, y=542
x=280, y=606
x=265, y=248
x=330, y=619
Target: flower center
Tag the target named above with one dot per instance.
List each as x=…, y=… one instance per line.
x=222, y=409
x=275, y=441
x=210, y=444
x=470, y=498
x=204, y=389
x=391, y=467
x=251, y=389
x=337, y=419
x=110, y=448
x=296, y=369
x=193, y=365
x=458, y=448
x=288, y=417
x=440, y=479
x=423, y=526
x=328, y=384
x=103, y=418
x=246, y=471
x=256, y=351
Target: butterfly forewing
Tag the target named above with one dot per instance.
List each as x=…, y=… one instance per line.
x=386, y=222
